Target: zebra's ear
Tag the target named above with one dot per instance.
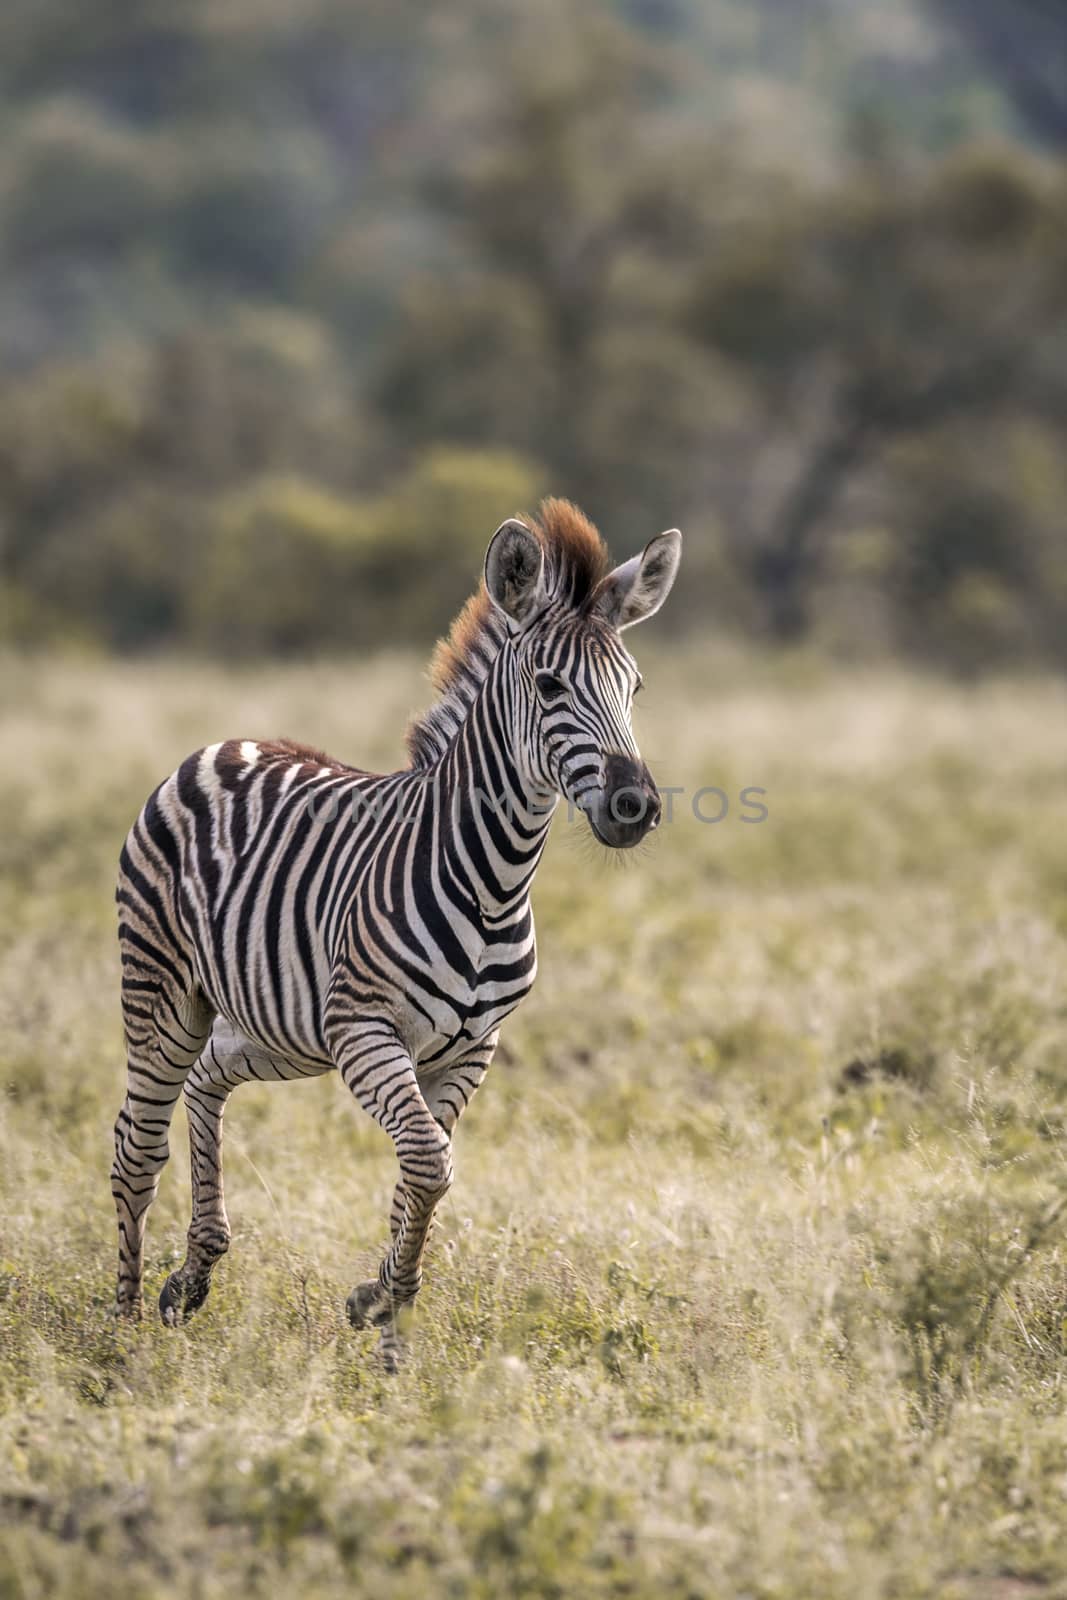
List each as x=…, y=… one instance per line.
x=515, y=570
x=638, y=588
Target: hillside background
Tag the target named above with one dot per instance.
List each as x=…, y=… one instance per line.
x=299, y=298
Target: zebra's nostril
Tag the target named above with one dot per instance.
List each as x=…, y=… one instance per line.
x=629, y=806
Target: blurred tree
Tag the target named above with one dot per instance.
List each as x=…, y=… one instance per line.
x=568, y=203
x=890, y=309
x=1023, y=47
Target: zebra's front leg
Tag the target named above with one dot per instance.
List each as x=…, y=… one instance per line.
x=379, y=1071
x=447, y=1093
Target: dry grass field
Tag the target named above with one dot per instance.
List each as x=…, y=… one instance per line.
x=753, y=1280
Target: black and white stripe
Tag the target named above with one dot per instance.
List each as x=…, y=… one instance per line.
x=283, y=915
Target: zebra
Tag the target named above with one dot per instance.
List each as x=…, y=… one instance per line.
x=283, y=914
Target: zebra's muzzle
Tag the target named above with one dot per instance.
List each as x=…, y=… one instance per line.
x=628, y=807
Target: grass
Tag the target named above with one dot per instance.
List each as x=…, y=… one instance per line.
x=753, y=1278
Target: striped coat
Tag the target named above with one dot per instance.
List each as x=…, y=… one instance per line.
x=283, y=914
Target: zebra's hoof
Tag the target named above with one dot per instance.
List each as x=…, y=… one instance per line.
x=369, y=1306
x=178, y=1299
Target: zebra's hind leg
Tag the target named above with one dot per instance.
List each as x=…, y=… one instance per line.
x=165, y=1033
x=228, y=1060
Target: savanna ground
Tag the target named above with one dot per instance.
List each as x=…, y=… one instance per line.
x=753, y=1278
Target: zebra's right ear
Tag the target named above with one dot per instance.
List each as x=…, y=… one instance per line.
x=515, y=570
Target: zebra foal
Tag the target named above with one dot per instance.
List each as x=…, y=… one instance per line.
x=282, y=914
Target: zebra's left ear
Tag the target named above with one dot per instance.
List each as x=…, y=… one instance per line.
x=638, y=588
x=515, y=570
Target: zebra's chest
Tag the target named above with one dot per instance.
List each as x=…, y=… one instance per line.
x=445, y=1022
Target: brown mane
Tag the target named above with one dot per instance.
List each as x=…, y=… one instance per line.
x=576, y=559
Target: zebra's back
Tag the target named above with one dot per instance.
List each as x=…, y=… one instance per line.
x=237, y=876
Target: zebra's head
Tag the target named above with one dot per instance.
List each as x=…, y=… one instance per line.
x=565, y=614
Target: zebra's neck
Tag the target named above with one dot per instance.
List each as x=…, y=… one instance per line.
x=500, y=815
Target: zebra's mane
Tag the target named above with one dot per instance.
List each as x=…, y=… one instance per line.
x=576, y=559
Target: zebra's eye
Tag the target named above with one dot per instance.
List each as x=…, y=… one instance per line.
x=549, y=687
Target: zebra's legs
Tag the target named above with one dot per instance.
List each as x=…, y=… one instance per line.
x=380, y=1073
x=165, y=1033
x=228, y=1060
x=447, y=1093
x=419, y=1117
